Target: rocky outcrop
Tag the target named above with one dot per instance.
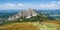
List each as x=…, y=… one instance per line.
x=24, y=14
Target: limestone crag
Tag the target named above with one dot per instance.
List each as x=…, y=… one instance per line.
x=24, y=14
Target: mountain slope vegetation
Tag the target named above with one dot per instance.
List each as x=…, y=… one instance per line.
x=45, y=25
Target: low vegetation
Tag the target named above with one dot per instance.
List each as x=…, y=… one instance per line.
x=45, y=25
x=19, y=26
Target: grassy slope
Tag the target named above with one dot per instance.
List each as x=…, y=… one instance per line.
x=19, y=26
x=45, y=25
x=51, y=25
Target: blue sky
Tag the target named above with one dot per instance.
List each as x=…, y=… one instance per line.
x=24, y=4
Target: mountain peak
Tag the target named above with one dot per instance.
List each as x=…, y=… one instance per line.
x=24, y=14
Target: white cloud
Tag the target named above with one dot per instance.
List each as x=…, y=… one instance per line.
x=20, y=4
x=53, y=2
x=42, y=5
x=51, y=5
x=10, y=6
x=47, y=5
x=58, y=2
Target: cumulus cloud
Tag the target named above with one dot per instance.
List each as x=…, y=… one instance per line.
x=51, y=5
x=53, y=2
x=10, y=6
x=20, y=4
x=47, y=5
x=58, y=2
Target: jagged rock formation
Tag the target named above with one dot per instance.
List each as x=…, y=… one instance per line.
x=24, y=14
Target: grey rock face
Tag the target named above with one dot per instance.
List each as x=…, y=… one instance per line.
x=24, y=14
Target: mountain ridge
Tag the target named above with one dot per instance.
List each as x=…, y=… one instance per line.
x=24, y=14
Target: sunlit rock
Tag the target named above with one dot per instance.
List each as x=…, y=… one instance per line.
x=24, y=14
